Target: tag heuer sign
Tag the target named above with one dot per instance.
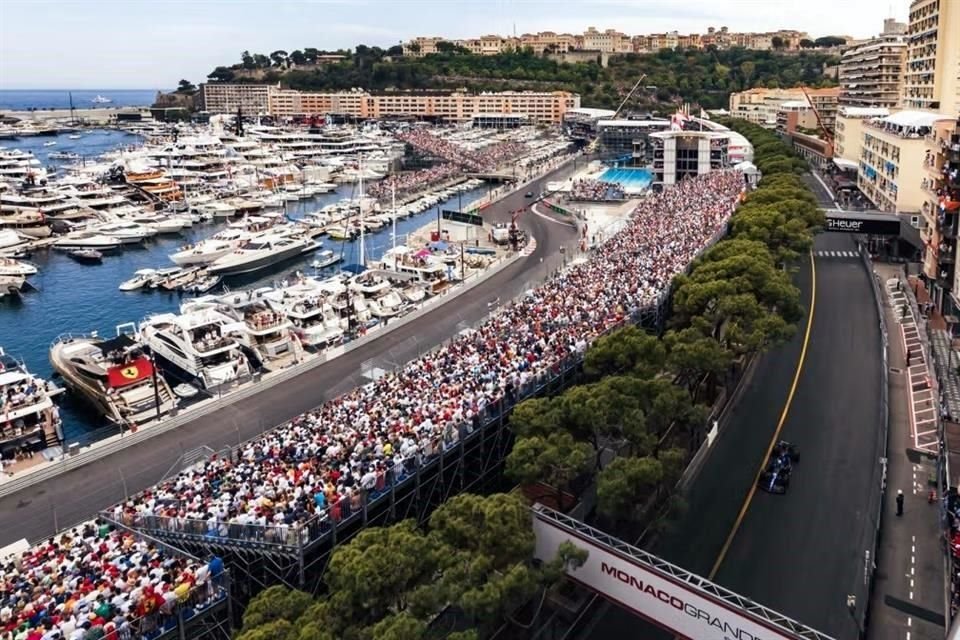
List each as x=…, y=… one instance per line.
x=849, y=222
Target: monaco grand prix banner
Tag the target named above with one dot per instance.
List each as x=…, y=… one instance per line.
x=650, y=593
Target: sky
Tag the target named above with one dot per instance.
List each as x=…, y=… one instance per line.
x=152, y=44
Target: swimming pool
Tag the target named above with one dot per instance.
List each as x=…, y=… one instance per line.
x=632, y=179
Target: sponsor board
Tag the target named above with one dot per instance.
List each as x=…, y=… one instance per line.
x=853, y=223
x=652, y=594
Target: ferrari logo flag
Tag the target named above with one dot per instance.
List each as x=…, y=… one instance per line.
x=129, y=372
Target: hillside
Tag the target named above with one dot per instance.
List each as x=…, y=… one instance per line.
x=702, y=77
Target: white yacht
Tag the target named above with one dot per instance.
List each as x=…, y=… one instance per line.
x=12, y=267
x=27, y=222
x=87, y=240
x=28, y=407
x=114, y=375
x=264, y=329
x=198, y=344
x=318, y=310
x=141, y=278
x=369, y=283
x=210, y=249
x=10, y=239
x=218, y=209
x=261, y=252
x=127, y=232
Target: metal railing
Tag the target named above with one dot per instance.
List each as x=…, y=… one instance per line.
x=880, y=485
x=661, y=567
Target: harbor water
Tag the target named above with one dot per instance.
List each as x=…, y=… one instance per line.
x=74, y=298
x=39, y=99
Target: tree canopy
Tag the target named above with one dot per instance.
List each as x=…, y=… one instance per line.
x=476, y=555
x=705, y=77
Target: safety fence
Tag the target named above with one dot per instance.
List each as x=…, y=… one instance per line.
x=863, y=587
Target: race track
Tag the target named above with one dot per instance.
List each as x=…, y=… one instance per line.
x=799, y=553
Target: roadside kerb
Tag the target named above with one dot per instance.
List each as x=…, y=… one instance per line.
x=117, y=443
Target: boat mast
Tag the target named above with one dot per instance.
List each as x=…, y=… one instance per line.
x=393, y=195
x=73, y=119
x=360, y=172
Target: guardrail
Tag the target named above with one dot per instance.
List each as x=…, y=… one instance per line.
x=870, y=554
x=120, y=442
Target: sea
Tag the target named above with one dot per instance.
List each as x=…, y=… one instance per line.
x=30, y=99
x=74, y=298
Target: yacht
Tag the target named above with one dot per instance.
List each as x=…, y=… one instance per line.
x=11, y=285
x=264, y=329
x=28, y=416
x=210, y=249
x=87, y=240
x=261, y=252
x=159, y=224
x=27, y=222
x=101, y=100
x=370, y=283
x=141, y=278
x=218, y=209
x=387, y=305
x=10, y=239
x=114, y=375
x=197, y=344
x=318, y=310
x=127, y=232
x=12, y=267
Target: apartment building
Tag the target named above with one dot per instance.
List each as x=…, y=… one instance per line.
x=941, y=211
x=546, y=107
x=848, y=132
x=871, y=73
x=761, y=106
x=932, y=69
x=227, y=98
x=609, y=41
x=891, y=165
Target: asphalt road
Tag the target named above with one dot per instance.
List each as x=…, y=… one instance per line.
x=803, y=552
x=68, y=499
x=799, y=553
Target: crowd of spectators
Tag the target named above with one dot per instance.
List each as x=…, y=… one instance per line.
x=482, y=159
x=319, y=466
x=596, y=191
x=412, y=181
x=96, y=582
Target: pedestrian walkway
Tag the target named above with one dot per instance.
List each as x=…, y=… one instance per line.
x=907, y=602
x=837, y=254
x=921, y=386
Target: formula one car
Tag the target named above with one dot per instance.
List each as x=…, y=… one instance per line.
x=776, y=476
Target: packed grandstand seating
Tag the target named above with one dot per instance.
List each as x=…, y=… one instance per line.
x=411, y=181
x=97, y=582
x=483, y=159
x=596, y=191
x=283, y=486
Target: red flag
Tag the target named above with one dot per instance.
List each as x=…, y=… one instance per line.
x=128, y=373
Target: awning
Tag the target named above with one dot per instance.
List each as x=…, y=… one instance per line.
x=845, y=164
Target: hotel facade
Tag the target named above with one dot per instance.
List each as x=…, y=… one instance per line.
x=545, y=107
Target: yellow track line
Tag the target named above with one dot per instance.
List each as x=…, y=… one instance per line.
x=783, y=419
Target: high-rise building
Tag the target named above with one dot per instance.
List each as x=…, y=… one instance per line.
x=941, y=186
x=932, y=70
x=871, y=73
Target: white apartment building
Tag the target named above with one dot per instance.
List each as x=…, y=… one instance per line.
x=932, y=68
x=871, y=73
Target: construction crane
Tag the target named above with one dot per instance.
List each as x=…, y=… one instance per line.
x=827, y=136
x=629, y=95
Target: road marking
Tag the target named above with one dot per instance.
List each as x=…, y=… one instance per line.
x=783, y=419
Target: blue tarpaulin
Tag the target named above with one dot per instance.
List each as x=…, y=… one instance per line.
x=439, y=245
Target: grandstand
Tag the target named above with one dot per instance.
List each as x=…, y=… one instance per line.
x=274, y=508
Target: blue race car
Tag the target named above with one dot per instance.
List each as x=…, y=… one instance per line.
x=776, y=475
